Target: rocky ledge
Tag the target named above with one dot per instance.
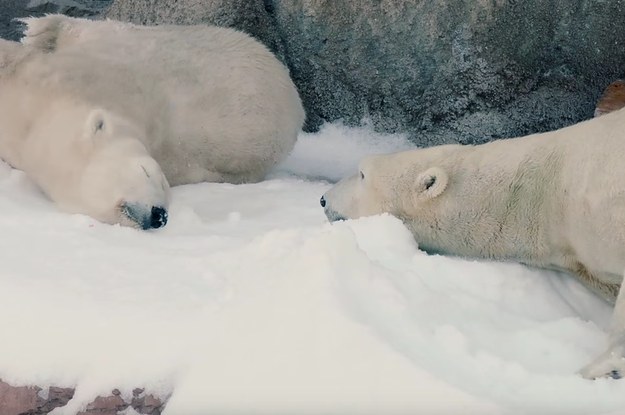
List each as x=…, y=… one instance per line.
x=33, y=400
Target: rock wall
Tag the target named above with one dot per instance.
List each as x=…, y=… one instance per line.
x=453, y=71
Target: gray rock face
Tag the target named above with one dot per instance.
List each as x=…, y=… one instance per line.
x=11, y=9
x=444, y=71
x=453, y=71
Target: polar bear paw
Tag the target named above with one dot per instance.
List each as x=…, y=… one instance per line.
x=610, y=364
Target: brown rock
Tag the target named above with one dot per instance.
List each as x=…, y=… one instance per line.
x=108, y=405
x=613, y=98
x=148, y=404
x=17, y=400
x=56, y=397
x=26, y=400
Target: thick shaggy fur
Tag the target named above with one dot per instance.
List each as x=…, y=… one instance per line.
x=553, y=200
x=206, y=103
x=229, y=110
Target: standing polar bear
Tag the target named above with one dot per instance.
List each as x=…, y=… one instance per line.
x=105, y=115
x=553, y=200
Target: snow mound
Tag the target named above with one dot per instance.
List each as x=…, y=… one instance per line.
x=250, y=302
x=335, y=151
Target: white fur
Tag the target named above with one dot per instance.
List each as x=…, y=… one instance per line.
x=553, y=200
x=84, y=159
x=227, y=108
x=199, y=103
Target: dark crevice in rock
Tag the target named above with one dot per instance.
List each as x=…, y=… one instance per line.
x=269, y=7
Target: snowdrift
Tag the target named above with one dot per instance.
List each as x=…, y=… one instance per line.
x=250, y=302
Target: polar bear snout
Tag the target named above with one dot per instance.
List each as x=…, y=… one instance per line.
x=334, y=216
x=335, y=205
x=331, y=214
x=153, y=217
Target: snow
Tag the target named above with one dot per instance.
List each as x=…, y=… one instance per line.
x=250, y=302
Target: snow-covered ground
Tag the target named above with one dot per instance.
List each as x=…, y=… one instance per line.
x=249, y=302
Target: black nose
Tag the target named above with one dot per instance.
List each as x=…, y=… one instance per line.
x=322, y=201
x=158, y=218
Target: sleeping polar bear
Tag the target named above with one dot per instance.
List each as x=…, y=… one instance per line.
x=553, y=200
x=104, y=115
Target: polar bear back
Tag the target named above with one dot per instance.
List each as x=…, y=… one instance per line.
x=560, y=194
x=225, y=91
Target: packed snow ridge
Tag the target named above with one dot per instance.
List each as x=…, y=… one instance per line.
x=250, y=302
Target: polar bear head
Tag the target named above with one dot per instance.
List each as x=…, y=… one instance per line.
x=404, y=184
x=93, y=162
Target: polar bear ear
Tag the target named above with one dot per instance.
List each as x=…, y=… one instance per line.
x=431, y=183
x=96, y=122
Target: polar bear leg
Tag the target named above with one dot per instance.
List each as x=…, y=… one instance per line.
x=612, y=362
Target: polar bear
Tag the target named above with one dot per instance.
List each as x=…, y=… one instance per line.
x=553, y=200
x=83, y=157
x=190, y=103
